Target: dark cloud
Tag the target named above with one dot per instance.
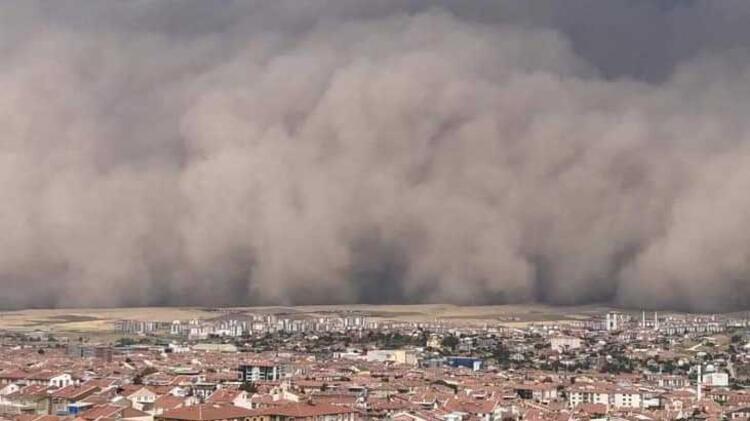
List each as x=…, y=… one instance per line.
x=288, y=152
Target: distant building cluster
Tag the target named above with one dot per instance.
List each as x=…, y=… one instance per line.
x=87, y=351
x=243, y=325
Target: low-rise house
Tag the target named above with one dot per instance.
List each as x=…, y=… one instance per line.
x=483, y=409
x=717, y=378
x=626, y=398
x=739, y=413
x=114, y=412
x=309, y=412
x=668, y=380
x=50, y=379
x=565, y=343
x=541, y=392
x=141, y=398
x=9, y=388
x=63, y=398
x=168, y=402
x=211, y=412
x=32, y=399
x=589, y=393
x=12, y=376
x=396, y=356
x=234, y=397
x=61, y=380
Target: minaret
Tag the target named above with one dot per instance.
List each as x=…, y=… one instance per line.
x=699, y=392
x=656, y=320
x=643, y=320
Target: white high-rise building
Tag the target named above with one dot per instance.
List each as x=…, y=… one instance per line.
x=612, y=321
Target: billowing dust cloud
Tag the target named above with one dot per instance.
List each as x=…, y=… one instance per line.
x=294, y=152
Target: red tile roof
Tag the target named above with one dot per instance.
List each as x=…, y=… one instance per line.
x=168, y=402
x=224, y=395
x=304, y=410
x=102, y=411
x=74, y=392
x=207, y=412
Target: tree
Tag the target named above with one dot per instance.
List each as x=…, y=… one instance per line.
x=138, y=379
x=125, y=342
x=249, y=387
x=148, y=371
x=501, y=354
x=449, y=341
x=424, y=336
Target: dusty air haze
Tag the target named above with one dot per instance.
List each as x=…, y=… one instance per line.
x=295, y=152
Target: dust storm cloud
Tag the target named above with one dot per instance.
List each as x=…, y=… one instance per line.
x=293, y=152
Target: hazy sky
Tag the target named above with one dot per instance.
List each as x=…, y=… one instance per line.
x=291, y=152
